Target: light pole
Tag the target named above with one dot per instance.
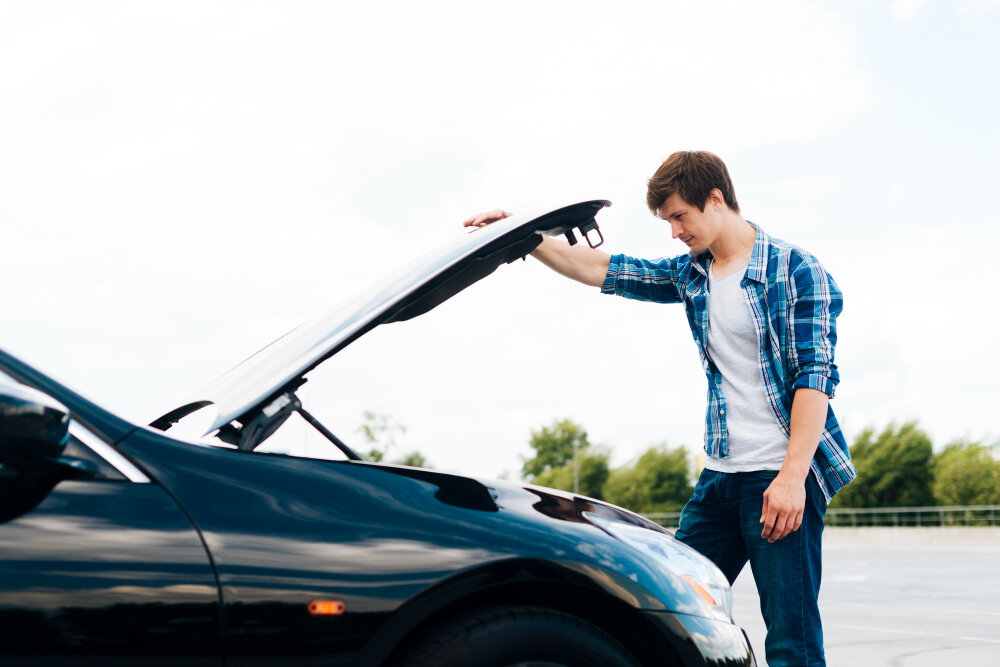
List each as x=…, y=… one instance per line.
x=576, y=465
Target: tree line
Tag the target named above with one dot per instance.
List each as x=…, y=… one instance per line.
x=658, y=481
x=897, y=467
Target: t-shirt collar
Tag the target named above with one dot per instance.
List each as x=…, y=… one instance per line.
x=756, y=269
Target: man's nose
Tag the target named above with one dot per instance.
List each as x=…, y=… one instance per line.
x=675, y=230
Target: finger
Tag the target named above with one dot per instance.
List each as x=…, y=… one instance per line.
x=780, y=528
x=794, y=521
x=763, y=508
x=769, y=520
x=492, y=216
x=768, y=525
x=471, y=220
x=481, y=219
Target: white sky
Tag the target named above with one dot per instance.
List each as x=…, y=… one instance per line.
x=182, y=182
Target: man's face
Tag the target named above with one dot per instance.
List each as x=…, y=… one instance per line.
x=697, y=229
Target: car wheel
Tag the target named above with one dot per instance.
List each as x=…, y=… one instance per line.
x=518, y=637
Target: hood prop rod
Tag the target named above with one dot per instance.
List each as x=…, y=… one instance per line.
x=327, y=433
x=269, y=418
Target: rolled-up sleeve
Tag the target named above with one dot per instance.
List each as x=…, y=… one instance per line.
x=643, y=279
x=816, y=303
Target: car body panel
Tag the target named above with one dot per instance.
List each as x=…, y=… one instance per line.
x=285, y=531
x=704, y=642
x=104, y=571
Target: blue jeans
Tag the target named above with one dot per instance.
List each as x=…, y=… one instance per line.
x=722, y=521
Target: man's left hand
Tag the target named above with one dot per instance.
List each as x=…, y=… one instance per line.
x=784, y=503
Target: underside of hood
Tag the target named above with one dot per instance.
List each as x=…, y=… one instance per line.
x=413, y=290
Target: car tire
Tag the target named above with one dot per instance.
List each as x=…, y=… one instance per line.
x=518, y=637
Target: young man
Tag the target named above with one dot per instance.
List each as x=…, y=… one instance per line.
x=763, y=314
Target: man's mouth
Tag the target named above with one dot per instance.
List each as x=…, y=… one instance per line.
x=686, y=239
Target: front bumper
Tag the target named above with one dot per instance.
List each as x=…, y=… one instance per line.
x=704, y=642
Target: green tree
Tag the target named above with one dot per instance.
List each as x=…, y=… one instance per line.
x=966, y=473
x=552, y=464
x=658, y=482
x=894, y=469
x=594, y=472
x=554, y=446
x=415, y=459
x=380, y=432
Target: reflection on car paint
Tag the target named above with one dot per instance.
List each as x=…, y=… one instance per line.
x=106, y=568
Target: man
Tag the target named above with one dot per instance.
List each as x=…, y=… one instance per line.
x=763, y=314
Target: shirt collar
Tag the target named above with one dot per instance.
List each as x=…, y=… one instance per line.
x=756, y=269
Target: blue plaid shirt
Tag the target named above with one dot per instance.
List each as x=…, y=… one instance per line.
x=794, y=303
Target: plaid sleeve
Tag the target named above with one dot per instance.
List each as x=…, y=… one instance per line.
x=645, y=280
x=816, y=303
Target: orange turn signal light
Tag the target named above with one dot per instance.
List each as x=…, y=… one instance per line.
x=700, y=590
x=326, y=607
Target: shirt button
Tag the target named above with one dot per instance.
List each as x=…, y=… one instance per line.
x=722, y=412
x=704, y=326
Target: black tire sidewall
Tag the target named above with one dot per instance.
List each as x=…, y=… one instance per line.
x=499, y=637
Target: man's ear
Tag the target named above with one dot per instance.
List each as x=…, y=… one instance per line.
x=716, y=199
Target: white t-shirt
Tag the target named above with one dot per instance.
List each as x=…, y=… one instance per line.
x=756, y=440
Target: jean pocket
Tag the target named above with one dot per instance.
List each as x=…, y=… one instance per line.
x=762, y=474
x=814, y=494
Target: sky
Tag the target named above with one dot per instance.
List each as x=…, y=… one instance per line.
x=182, y=182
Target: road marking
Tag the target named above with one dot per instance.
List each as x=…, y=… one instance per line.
x=869, y=628
x=871, y=606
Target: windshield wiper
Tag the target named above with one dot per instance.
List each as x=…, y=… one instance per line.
x=166, y=421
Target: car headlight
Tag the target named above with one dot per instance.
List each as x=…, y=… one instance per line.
x=698, y=572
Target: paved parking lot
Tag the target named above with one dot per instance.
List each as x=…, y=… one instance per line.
x=901, y=597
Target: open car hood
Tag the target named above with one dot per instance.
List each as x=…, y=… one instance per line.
x=413, y=290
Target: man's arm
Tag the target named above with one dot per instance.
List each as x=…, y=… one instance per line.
x=785, y=498
x=814, y=313
x=579, y=262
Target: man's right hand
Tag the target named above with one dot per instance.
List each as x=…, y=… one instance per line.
x=483, y=219
x=579, y=262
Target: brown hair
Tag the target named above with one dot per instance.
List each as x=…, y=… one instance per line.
x=692, y=175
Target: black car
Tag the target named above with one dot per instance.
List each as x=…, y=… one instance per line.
x=125, y=544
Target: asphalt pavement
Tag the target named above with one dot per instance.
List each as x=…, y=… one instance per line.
x=900, y=597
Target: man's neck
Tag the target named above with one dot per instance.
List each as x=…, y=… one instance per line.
x=734, y=245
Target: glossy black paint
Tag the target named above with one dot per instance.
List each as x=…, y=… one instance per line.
x=285, y=531
x=32, y=425
x=106, y=569
x=219, y=557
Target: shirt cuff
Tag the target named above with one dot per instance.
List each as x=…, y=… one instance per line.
x=612, y=277
x=818, y=382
